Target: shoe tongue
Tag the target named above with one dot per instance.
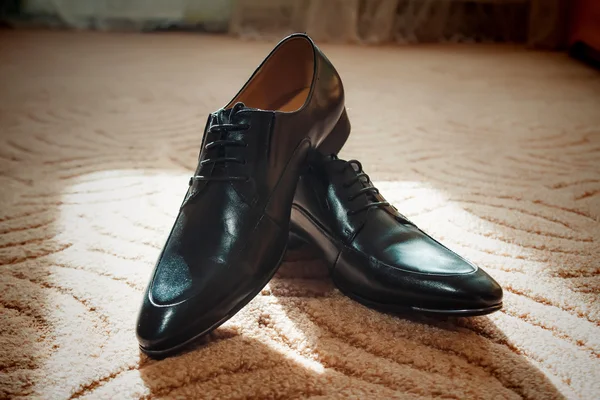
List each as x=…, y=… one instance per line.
x=363, y=181
x=225, y=115
x=323, y=160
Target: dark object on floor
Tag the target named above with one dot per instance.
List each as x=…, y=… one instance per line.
x=584, y=32
x=231, y=231
x=376, y=255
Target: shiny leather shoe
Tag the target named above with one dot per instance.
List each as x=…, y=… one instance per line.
x=231, y=232
x=376, y=255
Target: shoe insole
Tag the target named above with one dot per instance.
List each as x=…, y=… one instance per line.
x=292, y=101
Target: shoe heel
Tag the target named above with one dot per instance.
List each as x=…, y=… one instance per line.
x=334, y=142
x=295, y=242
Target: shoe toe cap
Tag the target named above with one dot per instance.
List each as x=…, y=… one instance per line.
x=160, y=328
x=396, y=288
x=472, y=293
x=169, y=316
x=475, y=291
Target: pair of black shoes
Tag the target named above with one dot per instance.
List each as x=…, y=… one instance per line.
x=261, y=174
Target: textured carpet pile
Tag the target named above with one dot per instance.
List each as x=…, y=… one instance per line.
x=493, y=150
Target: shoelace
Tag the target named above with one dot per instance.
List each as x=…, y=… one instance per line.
x=368, y=191
x=222, y=144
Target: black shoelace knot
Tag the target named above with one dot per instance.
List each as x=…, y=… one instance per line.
x=225, y=124
x=364, y=180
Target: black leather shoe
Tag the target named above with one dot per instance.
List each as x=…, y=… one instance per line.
x=231, y=231
x=376, y=255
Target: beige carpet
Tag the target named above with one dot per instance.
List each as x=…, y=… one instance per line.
x=494, y=150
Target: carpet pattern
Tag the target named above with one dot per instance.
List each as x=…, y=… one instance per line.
x=493, y=150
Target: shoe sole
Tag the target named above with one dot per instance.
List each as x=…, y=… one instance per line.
x=302, y=226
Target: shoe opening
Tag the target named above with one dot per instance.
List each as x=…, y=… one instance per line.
x=283, y=81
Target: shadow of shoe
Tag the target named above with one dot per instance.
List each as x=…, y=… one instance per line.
x=305, y=339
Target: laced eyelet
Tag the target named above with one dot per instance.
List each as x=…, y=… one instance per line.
x=365, y=188
x=224, y=124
